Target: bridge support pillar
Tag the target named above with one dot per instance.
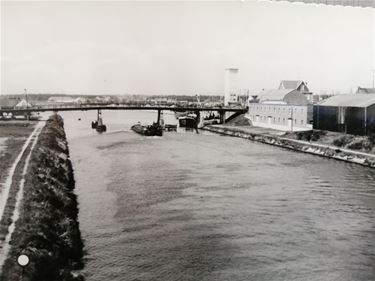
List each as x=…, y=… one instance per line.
x=197, y=120
x=222, y=117
x=159, y=115
x=27, y=115
x=198, y=113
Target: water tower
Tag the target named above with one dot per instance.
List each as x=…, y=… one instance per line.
x=231, y=86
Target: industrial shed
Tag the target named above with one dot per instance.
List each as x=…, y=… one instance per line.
x=351, y=114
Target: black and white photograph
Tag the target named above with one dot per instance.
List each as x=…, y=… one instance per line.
x=187, y=140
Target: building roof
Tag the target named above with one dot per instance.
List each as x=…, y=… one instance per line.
x=290, y=84
x=273, y=95
x=350, y=100
x=365, y=90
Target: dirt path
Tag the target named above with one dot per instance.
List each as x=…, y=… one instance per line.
x=31, y=141
x=6, y=188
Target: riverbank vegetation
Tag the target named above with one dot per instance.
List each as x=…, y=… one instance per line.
x=358, y=143
x=47, y=229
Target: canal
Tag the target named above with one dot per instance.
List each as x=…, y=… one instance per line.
x=192, y=206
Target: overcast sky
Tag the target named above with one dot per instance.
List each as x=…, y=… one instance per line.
x=182, y=47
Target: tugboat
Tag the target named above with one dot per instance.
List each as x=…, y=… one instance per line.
x=100, y=127
x=152, y=130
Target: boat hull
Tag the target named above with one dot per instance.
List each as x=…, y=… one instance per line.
x=101, y=128
x=153, y=130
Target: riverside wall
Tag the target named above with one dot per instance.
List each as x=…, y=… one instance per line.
x=364, y=159
x=47, y=229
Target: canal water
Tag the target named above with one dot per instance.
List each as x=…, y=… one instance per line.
x=190, y=206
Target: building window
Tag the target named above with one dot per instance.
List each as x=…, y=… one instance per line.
x=301, y=122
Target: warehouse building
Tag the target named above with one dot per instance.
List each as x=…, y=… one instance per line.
x=351, y=114
x=282, y=109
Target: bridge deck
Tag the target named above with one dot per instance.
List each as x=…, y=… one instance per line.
x=101, y=107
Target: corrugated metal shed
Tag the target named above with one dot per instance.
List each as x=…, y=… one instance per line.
x=352, y=100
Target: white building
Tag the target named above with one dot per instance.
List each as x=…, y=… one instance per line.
x=231, y=86
x=283, y=109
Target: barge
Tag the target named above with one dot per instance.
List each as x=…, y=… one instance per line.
x=150, y=130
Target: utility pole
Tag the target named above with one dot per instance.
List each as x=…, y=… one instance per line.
x=27, y=104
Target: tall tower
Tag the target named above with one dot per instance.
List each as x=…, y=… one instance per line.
x=231, y=85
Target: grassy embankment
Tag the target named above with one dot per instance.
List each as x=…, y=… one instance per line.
x=47, y=229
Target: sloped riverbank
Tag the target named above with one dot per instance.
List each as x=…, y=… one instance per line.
x=365, y=159
x=47, y=229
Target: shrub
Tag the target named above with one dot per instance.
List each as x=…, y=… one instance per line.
x=342, y=140
x=360, y=144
